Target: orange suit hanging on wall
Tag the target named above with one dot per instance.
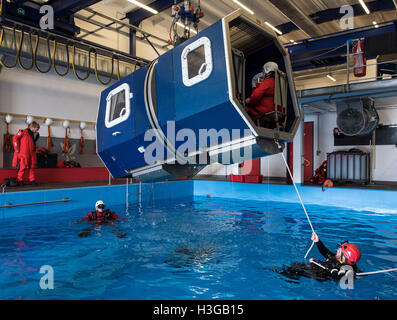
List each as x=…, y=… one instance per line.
x=24, y=143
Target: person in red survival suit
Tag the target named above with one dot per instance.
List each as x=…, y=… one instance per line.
x=24, y=143
x=99, y=217
x=261, y=101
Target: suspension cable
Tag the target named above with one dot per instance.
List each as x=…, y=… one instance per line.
x=2, y=37
x=36, y=47
x=118, y=67
x=96, y=70
x=74, y=67
x=67, y=58
x=19, y=50
x=18, y=46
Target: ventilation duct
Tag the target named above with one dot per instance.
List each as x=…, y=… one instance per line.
x=357, y=117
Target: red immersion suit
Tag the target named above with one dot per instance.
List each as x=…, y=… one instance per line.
x=262, y=99
x=25, y=154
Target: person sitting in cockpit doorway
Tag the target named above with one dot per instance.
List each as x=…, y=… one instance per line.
x=261, y=105
x=256, y=80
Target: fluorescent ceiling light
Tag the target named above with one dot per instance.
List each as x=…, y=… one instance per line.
x=274, y=28
x=330, y=77
x=183, y=26
x=144, y=6
x=243, y=6
x=364, y=6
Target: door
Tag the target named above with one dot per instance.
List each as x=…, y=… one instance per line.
x=308, y=151
x=115, y=127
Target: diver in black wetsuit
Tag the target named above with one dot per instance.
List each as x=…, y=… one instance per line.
x=333, y=268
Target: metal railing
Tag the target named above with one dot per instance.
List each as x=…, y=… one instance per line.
x=348, y=69
x=128, y=194
x=10, y=205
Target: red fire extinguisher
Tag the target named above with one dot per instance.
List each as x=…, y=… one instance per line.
x=360, y=61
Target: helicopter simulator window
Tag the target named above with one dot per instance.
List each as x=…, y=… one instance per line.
x=196, y=62
x=117, y=105
x=196, y=59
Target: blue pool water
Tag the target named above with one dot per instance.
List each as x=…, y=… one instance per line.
x=203, y=249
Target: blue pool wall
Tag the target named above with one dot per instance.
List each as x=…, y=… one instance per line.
x=379, y=201
x=85, y=198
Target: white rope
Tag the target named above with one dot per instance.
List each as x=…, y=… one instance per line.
x=317, y=264
x=357, y=274
x=311, y=247
x=300, y=199
x=311, y=226
x=375, y=272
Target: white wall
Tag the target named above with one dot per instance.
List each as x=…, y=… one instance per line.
x=48, y=95
x=271, y=166
x=218, y=169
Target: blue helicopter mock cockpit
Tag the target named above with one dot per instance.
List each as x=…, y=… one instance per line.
x=160, y=121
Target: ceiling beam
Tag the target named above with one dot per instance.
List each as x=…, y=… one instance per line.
x=297, y=17
x=333, y=14
x=62, y=8
x=137, y=16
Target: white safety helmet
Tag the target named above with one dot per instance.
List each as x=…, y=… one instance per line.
x=270, y=67
x=98, y=203
x=257, y=79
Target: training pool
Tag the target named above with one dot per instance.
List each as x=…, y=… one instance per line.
x=203, y=249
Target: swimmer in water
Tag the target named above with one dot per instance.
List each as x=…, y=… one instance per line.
x=100, y=217
x=333, y=268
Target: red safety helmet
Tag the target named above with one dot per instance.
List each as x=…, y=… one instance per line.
x=351, y=252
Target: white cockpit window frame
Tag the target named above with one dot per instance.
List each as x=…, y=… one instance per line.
x=123, y=87
x=204, y=41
